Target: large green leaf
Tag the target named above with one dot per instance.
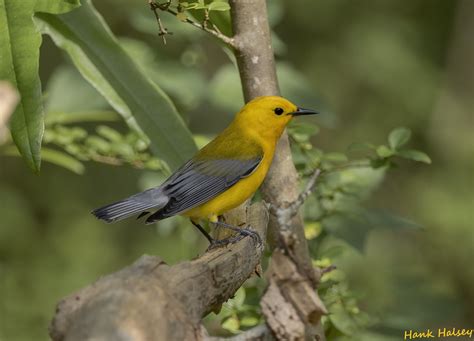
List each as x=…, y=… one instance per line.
x=56, y=6
x=19, y=54
x=19, y=62
x=94, y=50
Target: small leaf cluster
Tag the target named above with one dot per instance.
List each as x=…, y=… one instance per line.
x=307, y=157
x=207, y=7
x=397, y=138
x=336, y=206
x=105, y=145
x=241, y=312
x=345, y=318
x=336, y=220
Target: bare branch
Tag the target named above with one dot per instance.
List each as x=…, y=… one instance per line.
x=163, y=31
x=148, y=299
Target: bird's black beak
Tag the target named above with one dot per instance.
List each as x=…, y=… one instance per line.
x=301, y=111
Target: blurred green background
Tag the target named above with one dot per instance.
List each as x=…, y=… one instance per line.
x=369, y=66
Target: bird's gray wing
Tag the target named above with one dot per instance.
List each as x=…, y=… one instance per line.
x=198, y=181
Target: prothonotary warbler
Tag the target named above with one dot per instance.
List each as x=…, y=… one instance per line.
x=222, y=175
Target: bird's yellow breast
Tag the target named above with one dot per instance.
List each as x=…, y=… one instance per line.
x=238, y=193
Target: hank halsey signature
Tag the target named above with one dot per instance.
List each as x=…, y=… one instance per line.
x=437, y=333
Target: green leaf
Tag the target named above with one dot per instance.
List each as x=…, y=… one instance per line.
x=312, y=230
x=79, y=117
x=53, y=156
x=19, y=55
x=249, y=321
x=231, y=324
x=384, y=152
x=335, y=157
x=398, y=137
x=342, y=319
x=219, y=18
x=19, y=62
x=101, y=60
x=99, y=144
x=110, y=134
x=414, y=155
x=196, y=5
x=55, y=6
x=360, y=146
x=219, y=6
x=63, y=160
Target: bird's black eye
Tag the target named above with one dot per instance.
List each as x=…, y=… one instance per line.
x=279, y=111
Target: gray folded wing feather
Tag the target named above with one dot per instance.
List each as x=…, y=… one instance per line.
x=199, y=181
x=192, y=185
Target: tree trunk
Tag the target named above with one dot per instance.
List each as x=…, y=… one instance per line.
x=291, y=307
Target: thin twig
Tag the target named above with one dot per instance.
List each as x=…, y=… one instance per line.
x=163, y=31
x=294, y=206
x=328, y=269
x=213, y=31
x=206, y=19
x=292, y=209
x=284, y=215
x=227, y=40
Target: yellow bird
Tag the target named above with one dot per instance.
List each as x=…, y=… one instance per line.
x=222, y=175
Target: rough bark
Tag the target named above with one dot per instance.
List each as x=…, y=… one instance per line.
x=150, y=300
x=256, y=64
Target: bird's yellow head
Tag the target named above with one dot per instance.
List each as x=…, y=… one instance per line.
x=269, y=115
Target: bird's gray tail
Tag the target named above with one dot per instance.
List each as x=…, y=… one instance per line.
x=150, y=199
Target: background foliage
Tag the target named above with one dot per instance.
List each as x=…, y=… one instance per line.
x=369, y=66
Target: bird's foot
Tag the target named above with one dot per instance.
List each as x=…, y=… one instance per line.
x=248, y=231
x=241, y=233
